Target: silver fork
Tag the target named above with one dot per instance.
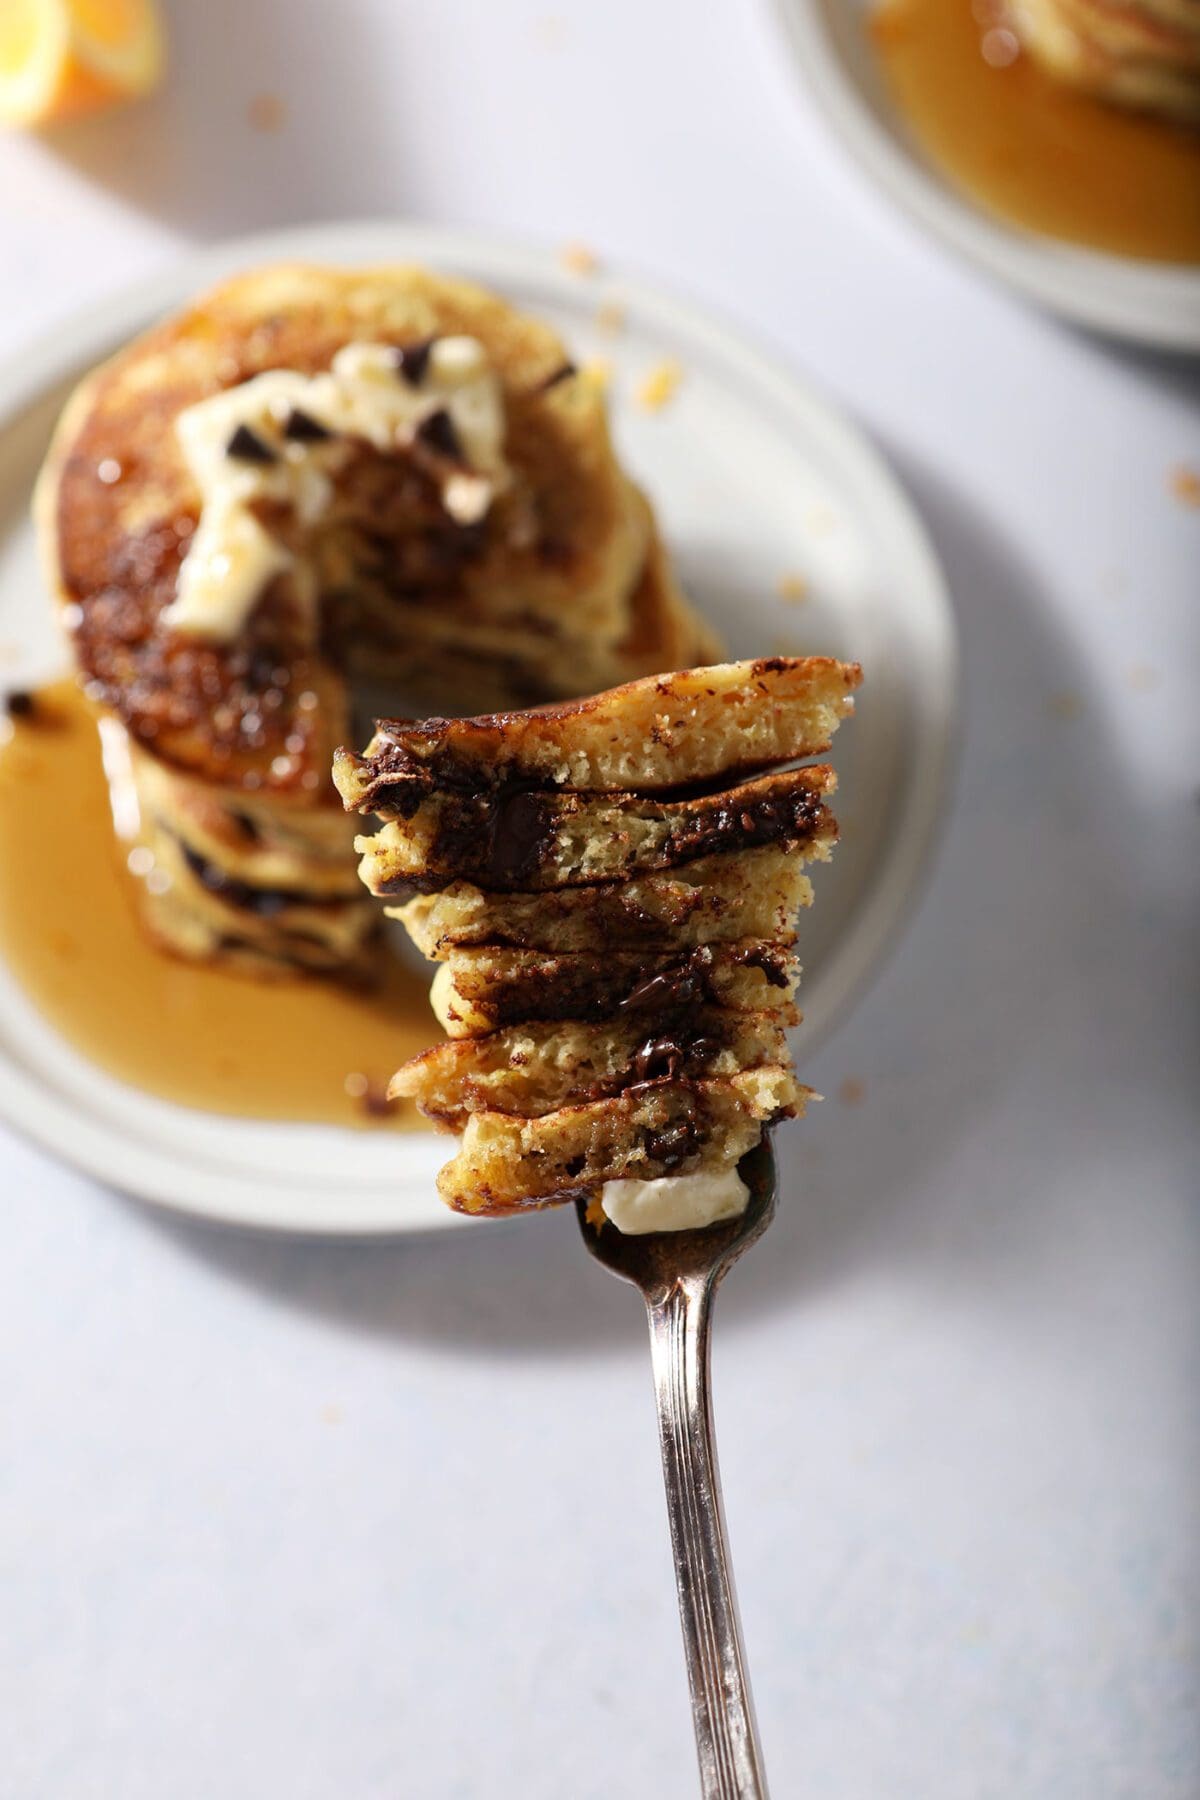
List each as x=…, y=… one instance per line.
x=678, y=1273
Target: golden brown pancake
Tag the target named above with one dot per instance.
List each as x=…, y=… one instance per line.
x=560, y=584
x=482, y=990
x=715, y=898
x=534, y=1068
x=507, y=1164
x=666, y=731
x=613, y=908
x=516, y=839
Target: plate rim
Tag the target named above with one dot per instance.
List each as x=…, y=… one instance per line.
x=1156, y=305
x=150, y=1176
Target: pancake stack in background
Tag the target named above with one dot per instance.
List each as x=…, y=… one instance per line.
x=611, y=889
x=1143, y=54
x=312, y=482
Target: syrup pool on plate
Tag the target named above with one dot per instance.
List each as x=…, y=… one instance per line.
x=297, y=1047
x=1031, y=149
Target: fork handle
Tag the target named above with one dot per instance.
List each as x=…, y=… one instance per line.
x=722, y=1710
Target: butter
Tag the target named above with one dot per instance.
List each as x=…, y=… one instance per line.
x=363, y=395
x=675, y=1202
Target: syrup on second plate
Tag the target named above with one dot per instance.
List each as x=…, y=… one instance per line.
x=1033, y=150
x=297, y=1048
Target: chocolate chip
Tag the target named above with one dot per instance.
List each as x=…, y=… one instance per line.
x=437, y=433
x=684, y=985
x=246, y=446
x=659, y=1059
x=674, y=1144
x=773, y=963
x=521, y=831
x=563, y=374
x=20, y=704
x=412, y=360
x=267, y=903
x=301, y=428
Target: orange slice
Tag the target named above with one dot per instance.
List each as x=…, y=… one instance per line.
x=59, y=58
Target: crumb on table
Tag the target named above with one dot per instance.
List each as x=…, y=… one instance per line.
x=659, y=387
x=1185, y=485
x=577, y=259
x=267, y=112
x=611, y=317
x=1066, y=705
x=852, y=1091
x=792, y=587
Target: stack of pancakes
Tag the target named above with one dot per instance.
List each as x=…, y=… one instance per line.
x=611, y=889
x=357, y=557
x=1137, y=53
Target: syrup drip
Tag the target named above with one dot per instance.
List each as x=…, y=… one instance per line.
x=294, y=1048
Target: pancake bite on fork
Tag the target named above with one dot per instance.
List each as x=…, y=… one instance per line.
x=610, y=887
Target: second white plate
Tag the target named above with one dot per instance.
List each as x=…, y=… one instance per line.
x=755, y=479
x=1148, y=303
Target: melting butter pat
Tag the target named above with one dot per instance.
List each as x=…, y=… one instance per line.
x=675, y=1202
x=282, y=437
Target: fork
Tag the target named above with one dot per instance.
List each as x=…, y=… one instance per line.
x=678, y=1273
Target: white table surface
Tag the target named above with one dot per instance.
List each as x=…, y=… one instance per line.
x=370, y=1522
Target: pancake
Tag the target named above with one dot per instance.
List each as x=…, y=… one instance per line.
x=509, y=1164
x=754, y=895
x=518, y=839
x=313, y=478
x=533, y=1069
x=665, y=732
x=1142, y=54
x=481, y=990
x=612, y=903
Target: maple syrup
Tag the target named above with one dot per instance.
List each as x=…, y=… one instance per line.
x=1033, y=150
x=296, y=1047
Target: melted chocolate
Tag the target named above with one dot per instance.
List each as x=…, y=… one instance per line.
x=733, y=822
x=675, y=989
x=19, y=703
x=666, y=1058
x=671, y=1146
x=774, y=963
x=522, y=831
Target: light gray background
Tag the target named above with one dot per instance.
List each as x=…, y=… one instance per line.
x=284, y=1520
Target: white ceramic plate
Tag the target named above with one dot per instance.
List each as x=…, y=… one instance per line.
x=754, y=478
x=1149, y=303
